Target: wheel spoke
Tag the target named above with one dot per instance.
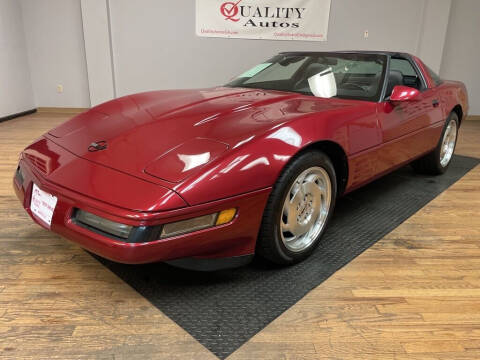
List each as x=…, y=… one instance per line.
x=292, y=207
x=290, y=212
x=312, y=188
x=285, y=227
x=298, y=230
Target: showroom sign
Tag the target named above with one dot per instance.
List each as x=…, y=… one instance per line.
x=264, y=19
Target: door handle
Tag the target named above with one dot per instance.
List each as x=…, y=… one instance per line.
x=435, y=103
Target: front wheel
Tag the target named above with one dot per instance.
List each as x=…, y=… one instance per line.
x=436, y=162
x=298, y=209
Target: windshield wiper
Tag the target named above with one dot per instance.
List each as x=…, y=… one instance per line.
x=259, y=88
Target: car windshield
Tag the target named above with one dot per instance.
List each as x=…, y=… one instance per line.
x=326, y=75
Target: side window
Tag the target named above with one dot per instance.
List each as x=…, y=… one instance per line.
x=410, y=76
x=436, y=79
x=403, y=66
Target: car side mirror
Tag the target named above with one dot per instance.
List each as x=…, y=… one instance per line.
x=404, y=93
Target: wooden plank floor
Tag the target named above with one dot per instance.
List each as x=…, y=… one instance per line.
x=413, y=295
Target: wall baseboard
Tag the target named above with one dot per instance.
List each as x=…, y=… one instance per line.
x=473, y=117
x=61, y=110
x=13, y=116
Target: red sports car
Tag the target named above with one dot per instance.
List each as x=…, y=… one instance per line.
x=204, y=179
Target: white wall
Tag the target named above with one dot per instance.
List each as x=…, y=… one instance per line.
x=153, y=50
x=56, y=52
x=130, y=46
x=15, y=85
x=462, y=49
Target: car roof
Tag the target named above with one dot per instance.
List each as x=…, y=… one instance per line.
x=366, y=52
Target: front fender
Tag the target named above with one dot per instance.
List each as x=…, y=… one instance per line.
x=255, y=163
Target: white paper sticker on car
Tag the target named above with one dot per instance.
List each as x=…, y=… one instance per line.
x=43, y=205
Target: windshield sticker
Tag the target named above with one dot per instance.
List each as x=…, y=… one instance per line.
x=323, y=84
x=255, y=70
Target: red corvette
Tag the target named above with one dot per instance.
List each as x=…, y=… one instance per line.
x=204, y=179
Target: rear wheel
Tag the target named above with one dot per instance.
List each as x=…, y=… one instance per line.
x=298, y=209
x=436, y=162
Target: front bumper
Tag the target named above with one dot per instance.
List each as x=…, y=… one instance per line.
x=235, y=239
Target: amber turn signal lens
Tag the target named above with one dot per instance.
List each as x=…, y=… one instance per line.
x=225, y=216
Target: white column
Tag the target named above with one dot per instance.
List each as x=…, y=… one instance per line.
x=98, y=49
x=433, y=32
x=16, y=93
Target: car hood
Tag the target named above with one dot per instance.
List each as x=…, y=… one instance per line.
x=169, y=135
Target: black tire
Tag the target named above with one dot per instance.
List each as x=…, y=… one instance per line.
x=269, y=244
x=430, y=164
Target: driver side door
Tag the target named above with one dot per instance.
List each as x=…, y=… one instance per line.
x=409, y=128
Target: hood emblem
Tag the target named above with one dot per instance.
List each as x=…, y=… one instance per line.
x=97, y=146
